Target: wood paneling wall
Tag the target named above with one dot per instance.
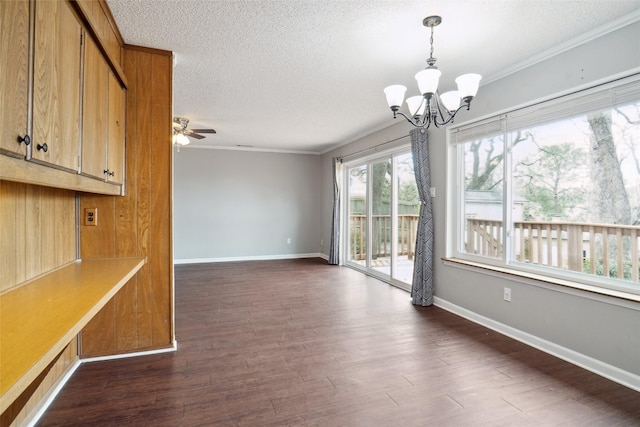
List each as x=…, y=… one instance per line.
x=38, y=225
x=140, y=317
x=37, y=231
x=37, y=235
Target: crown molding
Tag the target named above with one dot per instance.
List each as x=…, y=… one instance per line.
x=568, y=45
x=245, y=148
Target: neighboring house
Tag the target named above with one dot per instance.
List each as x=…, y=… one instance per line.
x=487, y=204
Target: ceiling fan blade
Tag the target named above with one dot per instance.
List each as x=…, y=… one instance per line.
x=196, y=136
x=203, y=130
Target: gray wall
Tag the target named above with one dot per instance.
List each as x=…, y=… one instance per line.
x=604, y=335
x=245, y=204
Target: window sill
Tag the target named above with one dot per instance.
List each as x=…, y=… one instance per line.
x=548, y=282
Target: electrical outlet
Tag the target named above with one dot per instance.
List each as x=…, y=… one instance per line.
x=91, y=216
x=288, y=240
x=507, y=294
x=433, y=191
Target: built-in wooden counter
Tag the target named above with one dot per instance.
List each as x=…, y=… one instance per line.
x=38, y=319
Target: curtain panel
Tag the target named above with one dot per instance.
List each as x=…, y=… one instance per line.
x=422, y=286
x=334, y=247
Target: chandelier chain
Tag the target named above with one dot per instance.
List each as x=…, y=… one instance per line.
x=431, y=52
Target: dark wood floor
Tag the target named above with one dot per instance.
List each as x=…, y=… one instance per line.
x=299, y=342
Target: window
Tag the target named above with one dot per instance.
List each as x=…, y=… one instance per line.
x=554, y=188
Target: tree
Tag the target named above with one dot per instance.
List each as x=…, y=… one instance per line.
x=485, y=174
x=609, y=193
x=380, y=192
x=549, y=181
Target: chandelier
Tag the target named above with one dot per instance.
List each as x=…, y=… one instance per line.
x=432, y=107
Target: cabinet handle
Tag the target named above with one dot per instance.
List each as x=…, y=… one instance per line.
x=108, y=172
x=26, y=139
x=44, y=147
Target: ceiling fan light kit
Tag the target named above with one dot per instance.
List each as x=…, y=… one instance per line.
x=431, y=106
x=180, y=139
x=181, y=133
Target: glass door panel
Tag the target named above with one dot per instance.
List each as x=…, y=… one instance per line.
x=407, y=210
x=357, y=215
x=381, y=217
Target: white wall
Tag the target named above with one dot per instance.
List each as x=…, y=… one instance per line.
x=245, y=205
x=600, y=333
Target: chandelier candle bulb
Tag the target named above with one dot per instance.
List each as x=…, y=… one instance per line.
x=428, y=80
x=416, y=105
x=395, y=95
x=451, y=100
x=468, y=85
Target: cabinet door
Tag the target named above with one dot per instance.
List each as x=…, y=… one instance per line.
x=14, y=74
x=94, y=111
x=116, y=130
x=56, y=85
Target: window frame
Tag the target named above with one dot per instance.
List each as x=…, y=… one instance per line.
x=555, y=107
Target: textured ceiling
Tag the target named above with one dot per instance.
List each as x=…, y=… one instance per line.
x=305, y=76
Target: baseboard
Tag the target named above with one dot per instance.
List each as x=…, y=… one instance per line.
x=51, y=395
x=249, y=258
x=63, y=380
x=171, y=349
x=603, y=369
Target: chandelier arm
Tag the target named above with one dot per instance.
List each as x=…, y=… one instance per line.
x=466, y=105
x=439, y=107
x=414, y=121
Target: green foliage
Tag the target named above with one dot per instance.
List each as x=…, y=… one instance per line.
x=408, y=193
x=550, y=182
x=627, y=268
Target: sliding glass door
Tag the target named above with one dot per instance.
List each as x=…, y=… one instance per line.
x=381, y=216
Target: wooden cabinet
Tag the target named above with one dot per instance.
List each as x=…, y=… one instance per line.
x=14, y=75
x=62, y=96
x=99, y=17
x=56, y=85
x=116, y=131
x=102, y=119
x=95, y=109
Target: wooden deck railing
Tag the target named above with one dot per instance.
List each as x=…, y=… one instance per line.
x=381, y=227
x=600, y=249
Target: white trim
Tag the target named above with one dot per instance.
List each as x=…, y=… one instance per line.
x=63, y=380
x=171, y=349
x=249, y=258
x=361, y=135
x=551, y=283
x=566, y=94
x=44, y=405
x=593, y=34
x=361, y=157
x=598, y=367
x=246, y=148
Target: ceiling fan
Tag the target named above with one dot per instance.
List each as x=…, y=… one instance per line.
x=181, y=132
